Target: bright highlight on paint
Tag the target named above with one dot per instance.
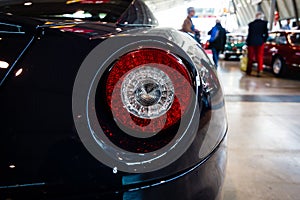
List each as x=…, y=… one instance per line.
x=4, y=65
x=19, y=72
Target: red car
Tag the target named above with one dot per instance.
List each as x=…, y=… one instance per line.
x=282, y=52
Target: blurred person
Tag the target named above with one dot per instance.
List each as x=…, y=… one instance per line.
x=257, y=36
x=287, y=26
x=188, y=25
x=217, y=40
x=276, y=24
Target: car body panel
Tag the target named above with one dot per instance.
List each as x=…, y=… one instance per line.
x=41, y=152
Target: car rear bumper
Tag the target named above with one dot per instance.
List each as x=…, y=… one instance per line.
x=233, y=53
x=204, y=181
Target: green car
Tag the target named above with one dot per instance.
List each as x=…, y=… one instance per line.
x=234, y=45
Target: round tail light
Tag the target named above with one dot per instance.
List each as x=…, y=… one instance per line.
x=147, y=85
x=147, y=92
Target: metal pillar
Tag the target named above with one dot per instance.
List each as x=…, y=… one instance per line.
x=259, y=7
x=296, y=13
x=272, y=13
x=235, y=12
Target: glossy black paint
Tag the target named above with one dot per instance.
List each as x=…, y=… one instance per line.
x=203, y=181
x=41, y=153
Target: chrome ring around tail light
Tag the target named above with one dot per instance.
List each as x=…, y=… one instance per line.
x=99, y=86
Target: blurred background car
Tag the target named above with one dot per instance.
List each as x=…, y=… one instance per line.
x=234, y=45
x=282, y=52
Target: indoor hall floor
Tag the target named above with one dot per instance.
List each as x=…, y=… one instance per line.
x=263, y=136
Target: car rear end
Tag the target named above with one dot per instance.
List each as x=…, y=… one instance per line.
x=103, y=112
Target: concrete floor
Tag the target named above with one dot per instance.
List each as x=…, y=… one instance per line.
x=263, y=137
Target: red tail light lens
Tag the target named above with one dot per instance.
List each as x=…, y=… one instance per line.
x=147, y=90
x=142, y=99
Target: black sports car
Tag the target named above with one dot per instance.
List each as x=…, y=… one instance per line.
x=97, y=102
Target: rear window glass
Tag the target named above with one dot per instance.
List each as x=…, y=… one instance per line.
x=93, y=10
x=295, y=38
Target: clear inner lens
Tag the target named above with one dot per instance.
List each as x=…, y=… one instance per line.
x=147, y=92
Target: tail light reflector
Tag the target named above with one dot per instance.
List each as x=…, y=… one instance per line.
x=151, y=86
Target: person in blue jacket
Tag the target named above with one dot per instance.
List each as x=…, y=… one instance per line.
x=217, y=40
